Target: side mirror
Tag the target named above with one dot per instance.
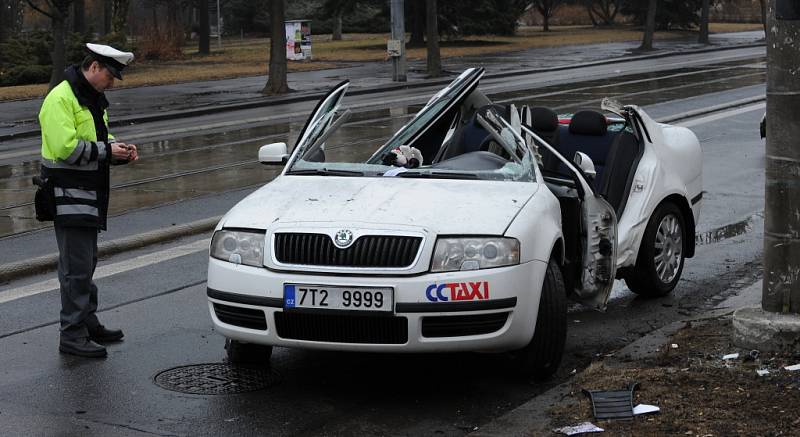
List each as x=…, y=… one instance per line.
x=274, y=153
x=586, y=165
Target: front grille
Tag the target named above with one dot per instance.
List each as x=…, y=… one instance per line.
x=460, y=326
x=244, y=317
x=342, y=328
x=375, y=251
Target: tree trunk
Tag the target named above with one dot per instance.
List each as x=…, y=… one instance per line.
x=204, y=37
x=79, y=16
x=418, y=17
x=703, y=38
x=764, y=15
x=154, y=12
x=337, y=27
x=119, y=18
x=58, y=21
x=277, y=81
x=649, y=27
x=432, y=36
x=546, y=22
x=107, y=8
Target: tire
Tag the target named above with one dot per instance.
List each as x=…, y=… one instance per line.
x=653, y=275
x=247, y=353
x=542, y=356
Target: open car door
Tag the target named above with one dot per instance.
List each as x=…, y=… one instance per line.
x=312, y=137
x=598, y=236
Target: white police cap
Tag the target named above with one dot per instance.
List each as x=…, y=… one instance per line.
x=112, y=58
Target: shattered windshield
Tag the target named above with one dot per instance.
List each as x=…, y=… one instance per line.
x=449, y=138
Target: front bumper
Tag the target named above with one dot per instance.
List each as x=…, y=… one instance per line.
x=246, y=304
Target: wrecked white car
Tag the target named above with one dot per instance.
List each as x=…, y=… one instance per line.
x=466, y=231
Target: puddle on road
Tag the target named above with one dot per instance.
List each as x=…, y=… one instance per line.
x=725, y=232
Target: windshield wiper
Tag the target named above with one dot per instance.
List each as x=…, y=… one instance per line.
x=436, y=175
x=325, y=172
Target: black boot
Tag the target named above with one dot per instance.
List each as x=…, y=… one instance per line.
x=82, y=347
x=101, y=334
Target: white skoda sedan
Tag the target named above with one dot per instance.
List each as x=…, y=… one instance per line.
x=466, y=231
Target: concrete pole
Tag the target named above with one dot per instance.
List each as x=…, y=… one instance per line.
x=781, y=288
x=399, y=65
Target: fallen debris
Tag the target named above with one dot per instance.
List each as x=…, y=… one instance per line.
x=579, y=429
x=731, y=356
x=612, y=404
x=762, y=372
x=645, y=409
x=792, y=368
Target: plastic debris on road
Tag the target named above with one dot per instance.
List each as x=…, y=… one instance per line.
x=762, y=372
x=579, y=429
x=731, y=356
x=674, y=345
x=645, y=409
x=792, y=368
x=612, y=404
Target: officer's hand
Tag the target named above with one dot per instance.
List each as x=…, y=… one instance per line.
x=134, y=154
x=123, y=152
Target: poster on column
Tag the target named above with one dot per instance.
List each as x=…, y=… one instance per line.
x=298, y=40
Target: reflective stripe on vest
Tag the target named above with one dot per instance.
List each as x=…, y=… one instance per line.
x=76, y=209
x=75, y=193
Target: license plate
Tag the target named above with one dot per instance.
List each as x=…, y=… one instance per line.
x=337, y=298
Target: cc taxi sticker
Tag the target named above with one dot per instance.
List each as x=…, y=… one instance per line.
x=458, y=291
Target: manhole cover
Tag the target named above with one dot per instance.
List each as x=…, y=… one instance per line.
x=215, y=379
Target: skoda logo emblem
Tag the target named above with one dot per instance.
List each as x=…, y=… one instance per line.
x=343, y=238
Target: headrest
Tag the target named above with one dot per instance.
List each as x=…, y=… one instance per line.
x=544, y=119
x=588, y=123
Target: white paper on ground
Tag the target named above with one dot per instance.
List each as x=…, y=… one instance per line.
x=795, y=367
x=645, y=409
x=762, y=372
x=731, y=356
x=579, y=428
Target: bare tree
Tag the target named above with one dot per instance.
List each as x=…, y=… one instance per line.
x=107, y=7
x=603, y=12
x=432, y=36
x=78, y=16
x=764, y=15
x=336, y=33
x=204, y=36
x=277, y=82
x=119, y=17
x=58, y=12
x=417, y=17
x=650, y=26
x=11, y=12
x=703, y=37
x=547, y=8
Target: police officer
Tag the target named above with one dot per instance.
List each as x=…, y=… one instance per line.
x=77, y=150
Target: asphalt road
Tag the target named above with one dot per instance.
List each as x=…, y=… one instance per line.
x=157, y=295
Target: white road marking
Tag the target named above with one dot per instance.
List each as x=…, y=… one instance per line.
x=111, y=269
x=724, y=114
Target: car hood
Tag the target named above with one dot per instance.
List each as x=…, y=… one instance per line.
x=442, y=206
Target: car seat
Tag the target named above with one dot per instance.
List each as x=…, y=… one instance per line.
x=588, y=133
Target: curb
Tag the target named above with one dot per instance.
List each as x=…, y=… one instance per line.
x=49, y=262
x=171, y=115
x=711, y=109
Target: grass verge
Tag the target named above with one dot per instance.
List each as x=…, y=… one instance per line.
x=249, y=57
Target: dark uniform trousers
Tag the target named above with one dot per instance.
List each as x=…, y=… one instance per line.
x=77, y=251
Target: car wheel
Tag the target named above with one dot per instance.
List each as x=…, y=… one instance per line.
x=541, y=357
x=247, y=353
x=661, y=255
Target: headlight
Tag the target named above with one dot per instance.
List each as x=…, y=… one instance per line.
x=238, y=247
x=453, y=254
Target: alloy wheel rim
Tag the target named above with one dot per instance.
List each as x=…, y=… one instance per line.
x=668, y=248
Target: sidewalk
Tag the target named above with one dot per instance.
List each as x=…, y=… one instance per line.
x=166, y=101
x=680, y=369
